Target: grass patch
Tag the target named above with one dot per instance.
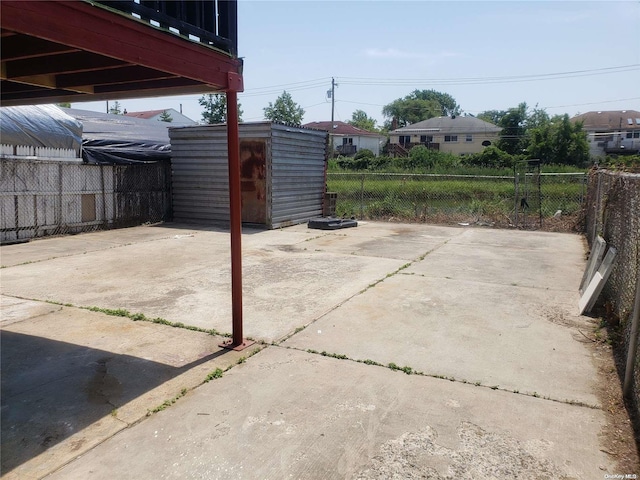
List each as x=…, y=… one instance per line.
x=415, y=197
x=217, y=373
x=141, y=317
x=168, y=403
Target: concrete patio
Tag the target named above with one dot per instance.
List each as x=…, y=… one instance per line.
x=384, y=351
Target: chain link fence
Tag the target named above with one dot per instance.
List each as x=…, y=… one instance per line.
x=613, y=212
x=547, y=201
x=40, y=197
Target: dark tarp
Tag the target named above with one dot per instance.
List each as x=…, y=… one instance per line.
x=39, y=126
x=106, y=139
x=110, y=152
x=118, y=139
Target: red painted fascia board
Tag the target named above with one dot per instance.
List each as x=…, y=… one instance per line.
x=87, y=27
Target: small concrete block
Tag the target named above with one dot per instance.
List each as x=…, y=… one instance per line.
x=594, y=262
x=591, y=294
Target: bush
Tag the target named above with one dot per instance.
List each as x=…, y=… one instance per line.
x=380, y=163
x=352, y=163
x=364, y=153
x=622, y=162
x=491, y=157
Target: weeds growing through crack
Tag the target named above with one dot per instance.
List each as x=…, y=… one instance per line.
x=168, y=403
x=217, y=373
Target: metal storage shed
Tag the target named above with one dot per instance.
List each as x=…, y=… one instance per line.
x=283, y=173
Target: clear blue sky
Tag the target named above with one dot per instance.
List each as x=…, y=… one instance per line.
x=566, y=57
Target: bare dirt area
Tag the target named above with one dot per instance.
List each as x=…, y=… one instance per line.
x=620, y=440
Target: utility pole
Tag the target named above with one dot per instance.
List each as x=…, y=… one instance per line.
x=333, y=98
x=332, y=94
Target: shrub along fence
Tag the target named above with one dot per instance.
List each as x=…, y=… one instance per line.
x=613, y=212
x=549, y=201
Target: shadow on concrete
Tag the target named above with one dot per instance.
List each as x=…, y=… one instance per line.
x=247, y=228
x=51, y=390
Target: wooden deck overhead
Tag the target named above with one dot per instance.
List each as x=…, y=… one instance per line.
x=73, y=51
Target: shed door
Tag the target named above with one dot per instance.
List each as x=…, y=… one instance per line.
x=253, y=156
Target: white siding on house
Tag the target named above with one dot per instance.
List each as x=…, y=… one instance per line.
x=370, y=143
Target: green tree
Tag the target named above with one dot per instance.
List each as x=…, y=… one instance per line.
x=361, y=120
x=64, y=104
x=448, y=104
x=492, y=116
x=215, y=108
x=284, y=110
x=514, y=127
x=559, y=141
x=116, y=109
x=419, y=105
x=166, y=117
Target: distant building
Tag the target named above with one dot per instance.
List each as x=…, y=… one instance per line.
x=457, y=135
x=178, y=119
x=616, y=131
x=348, y=140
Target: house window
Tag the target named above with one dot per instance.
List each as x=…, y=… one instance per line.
x=450, y=138
x=629, y=134
x=347, y=141
x=636, y=134
x=426, y=138
x=404, y=139
x=469, y=138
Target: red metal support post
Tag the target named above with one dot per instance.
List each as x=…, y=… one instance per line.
x=235, y=218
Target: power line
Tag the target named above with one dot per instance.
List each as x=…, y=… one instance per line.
x=543, y=108
x=487, y=80
x=278, y=89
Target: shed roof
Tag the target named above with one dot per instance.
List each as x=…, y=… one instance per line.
x=449, y=125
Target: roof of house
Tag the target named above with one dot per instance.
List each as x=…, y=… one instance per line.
x=609, y=120
x=449, y=125
x=340, y=128
x=147, y=114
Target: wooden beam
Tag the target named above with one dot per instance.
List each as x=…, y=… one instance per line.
x=83, y=26
x=50, y=82
x=148, y=85
x=128, y=74
x=64, y=63
x=22, y=46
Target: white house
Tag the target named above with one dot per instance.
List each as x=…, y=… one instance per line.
x=347, y=139
x=178, y=119
x=616, y=131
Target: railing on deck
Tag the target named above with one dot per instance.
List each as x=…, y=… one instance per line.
x=213, y=22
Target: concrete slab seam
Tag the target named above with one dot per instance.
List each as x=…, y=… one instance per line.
x=33, y=316
x=214, y=375
x=411, y=371
x=136, y=317
x=84, y=252
x=371, y=285
x=484, y=282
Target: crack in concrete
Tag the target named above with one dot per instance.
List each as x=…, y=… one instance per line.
x=411, y=371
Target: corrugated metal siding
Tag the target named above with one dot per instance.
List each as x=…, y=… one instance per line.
x=295, y=172
x=200, y=188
